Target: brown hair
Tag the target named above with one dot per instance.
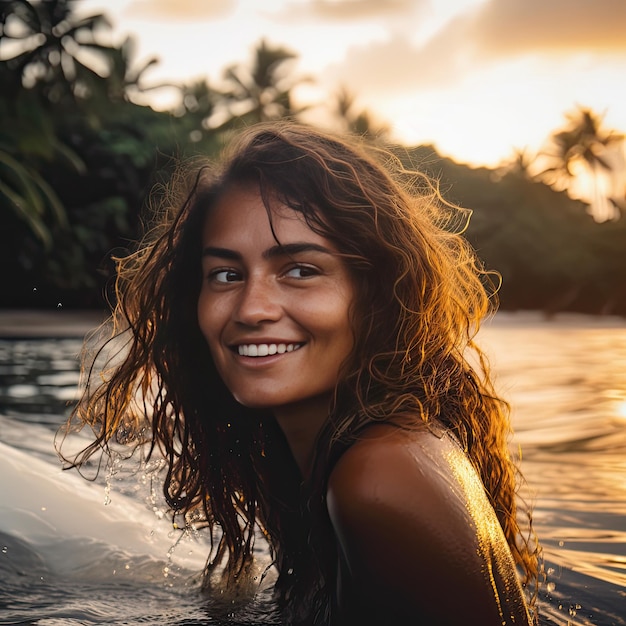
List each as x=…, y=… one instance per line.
x=421, y=295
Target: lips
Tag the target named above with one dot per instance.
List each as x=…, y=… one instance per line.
x=265, y=349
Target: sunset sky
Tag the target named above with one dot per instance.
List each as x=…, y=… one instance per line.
x=476, y=78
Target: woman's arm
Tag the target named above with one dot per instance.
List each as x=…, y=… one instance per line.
x=417, y=533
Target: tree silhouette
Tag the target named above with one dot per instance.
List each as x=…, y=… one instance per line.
x=52, y=46
x=582, y=148
x=123, y=78
x=357, y=122
x=263, y=91
x=198, y=115
x=25, y=145
x=520, y=165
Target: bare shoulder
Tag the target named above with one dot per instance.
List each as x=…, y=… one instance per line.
x=415, y=527
x=419, y=474
x=393, y=445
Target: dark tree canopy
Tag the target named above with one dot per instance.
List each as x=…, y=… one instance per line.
x=79, y=156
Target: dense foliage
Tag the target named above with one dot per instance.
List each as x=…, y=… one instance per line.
x=79, y=158
x=549, y=251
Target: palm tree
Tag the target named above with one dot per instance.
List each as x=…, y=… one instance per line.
x=582, y=150
x=28, y=146
x=359, y=123
x=39, y=65
x=26, y=143
x=521, y=164
x=200, y=102
x=123, y=78
x=51, y=41
x=262, y=92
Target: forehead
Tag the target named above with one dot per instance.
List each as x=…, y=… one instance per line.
x=240, y=215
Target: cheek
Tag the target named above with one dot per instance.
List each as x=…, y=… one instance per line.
x=208, y=320
x=337, y=325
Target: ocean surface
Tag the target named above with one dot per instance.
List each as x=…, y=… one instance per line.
x=103, y=551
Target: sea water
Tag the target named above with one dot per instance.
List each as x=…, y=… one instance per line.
x=103, y=551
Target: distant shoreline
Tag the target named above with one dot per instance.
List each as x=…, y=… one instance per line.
x=76, y=323
x=57, y=323
x=565, y=319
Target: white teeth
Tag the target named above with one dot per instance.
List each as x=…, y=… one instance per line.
x=265, y=349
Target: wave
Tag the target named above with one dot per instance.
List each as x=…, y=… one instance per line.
x=56, y=521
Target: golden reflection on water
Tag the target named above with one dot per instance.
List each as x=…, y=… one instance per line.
x=566, y=382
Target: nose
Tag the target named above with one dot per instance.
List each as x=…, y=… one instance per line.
x=258, y=302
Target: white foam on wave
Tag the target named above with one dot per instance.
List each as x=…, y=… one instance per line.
x=65, y=519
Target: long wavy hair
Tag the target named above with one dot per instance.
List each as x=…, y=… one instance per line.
x=421, y=295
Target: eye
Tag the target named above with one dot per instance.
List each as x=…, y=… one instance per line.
x=301, y=271
x=224, y=276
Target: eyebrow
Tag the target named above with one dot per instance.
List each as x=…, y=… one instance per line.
x=288, y=249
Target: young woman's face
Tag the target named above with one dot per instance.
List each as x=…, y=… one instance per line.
x=274, y=307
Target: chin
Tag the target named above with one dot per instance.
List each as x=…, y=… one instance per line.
x=255, y=401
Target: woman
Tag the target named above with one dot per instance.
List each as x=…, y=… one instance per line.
x=301, y=353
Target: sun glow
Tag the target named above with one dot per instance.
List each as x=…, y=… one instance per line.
x=437, y=73
x=620, y=409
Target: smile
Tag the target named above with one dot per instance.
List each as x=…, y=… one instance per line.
x=266, y=349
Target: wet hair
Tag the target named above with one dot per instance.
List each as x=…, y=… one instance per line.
x=421, y=296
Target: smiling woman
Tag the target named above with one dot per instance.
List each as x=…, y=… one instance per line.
x=275, y=299
x=300, y=350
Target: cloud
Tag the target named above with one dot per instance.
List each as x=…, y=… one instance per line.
x=349, y=10
x=392, y=65
x=519, y=26
x=398, y=64
x=181, y=10
x=494, y=31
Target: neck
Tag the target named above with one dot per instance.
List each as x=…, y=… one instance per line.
x=301, y=425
